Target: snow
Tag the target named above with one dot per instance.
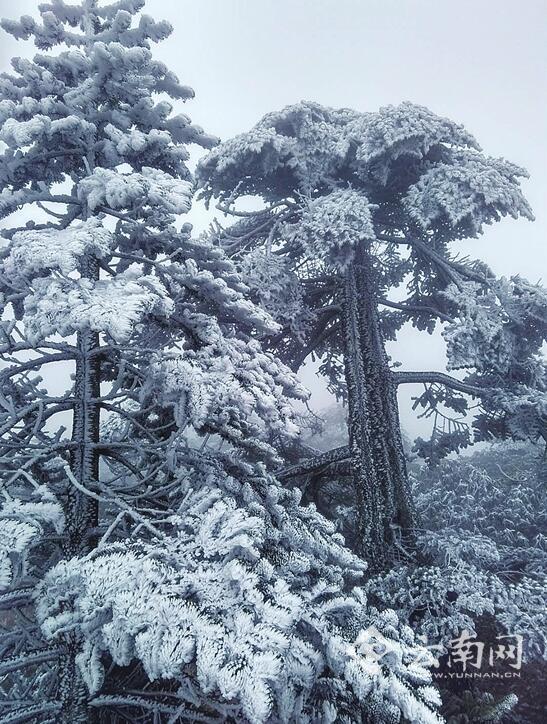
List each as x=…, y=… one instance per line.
x=34, y=252
x=126, y=191
x=111, y=306
x=468, y=191
x=331, y=227
x=154, y=525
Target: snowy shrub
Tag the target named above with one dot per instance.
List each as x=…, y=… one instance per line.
x=484, y=558
x=439, y=602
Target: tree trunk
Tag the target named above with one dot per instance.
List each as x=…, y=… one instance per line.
x=377, y=460
x=81, y=511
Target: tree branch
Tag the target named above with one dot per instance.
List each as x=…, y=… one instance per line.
x=314, y=464
x=18, y=367
x=35, y=712
x=402, y=378
x=15, y=599
x=104, y=450
x=451, y=268
x=14, y=663
x=322, y=333
x=418, y=308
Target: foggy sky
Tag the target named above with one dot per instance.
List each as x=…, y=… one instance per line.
x=479, y=62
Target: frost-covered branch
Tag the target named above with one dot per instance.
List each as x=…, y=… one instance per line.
x=412, y=309
x=15, y=663
x=315, y=464
x=441, y=378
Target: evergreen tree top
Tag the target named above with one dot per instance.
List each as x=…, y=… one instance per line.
x=415, y=169
x=404, y=183
x=94, y=105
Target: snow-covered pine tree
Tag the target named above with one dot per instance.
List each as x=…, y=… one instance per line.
x=153, y=569
x=354, y=206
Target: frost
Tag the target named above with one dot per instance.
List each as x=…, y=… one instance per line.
x=22, y=525
x=231, y=386
x=124, y=191
x=235, y=620
x=307, y=141
x=10, y=199
x=407, y=130
x=40, y=128
x=164, y=541
x=313, y=145
x=332, y=182
x=472, y=538
x=35, y=251
x=332, y=226
x=278, y=290
x=221, y=292
x=112, y=306
x=467, y=191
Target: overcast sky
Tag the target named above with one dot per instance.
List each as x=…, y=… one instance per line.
x=480, y=62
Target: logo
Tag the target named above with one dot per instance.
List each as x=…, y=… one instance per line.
x=462, y=657
x=466, y=657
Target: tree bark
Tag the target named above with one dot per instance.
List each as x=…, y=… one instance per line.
x=81, y=511
x=376, y=451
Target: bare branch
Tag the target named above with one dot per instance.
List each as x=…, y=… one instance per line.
x=34, y=363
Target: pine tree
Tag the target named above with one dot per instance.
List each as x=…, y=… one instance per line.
x=107, y=284
x=152, y=565
x=354, y=206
